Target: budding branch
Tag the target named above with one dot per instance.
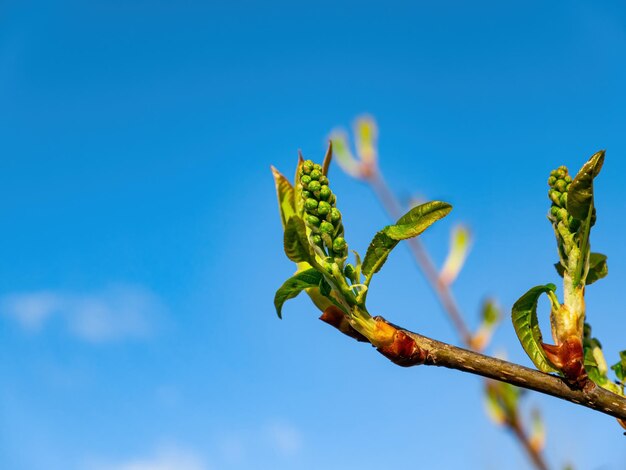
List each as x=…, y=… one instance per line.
x=411, y=349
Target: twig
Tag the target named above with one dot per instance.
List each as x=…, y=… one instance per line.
x=389, y=202
x=407, y=349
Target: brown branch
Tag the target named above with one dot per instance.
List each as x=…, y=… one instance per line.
x=407, y=349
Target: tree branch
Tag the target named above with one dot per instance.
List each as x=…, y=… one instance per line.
x=407, y=349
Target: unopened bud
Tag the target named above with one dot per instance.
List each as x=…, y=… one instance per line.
x=312, y=220
x=339, y=245
x=335, y=215
x=310, y=204
x=307, y=166
x=325, y=193
x=323, y=208
x=315, y=175
x=313, y=185
x=327, y=227
x=305, y=180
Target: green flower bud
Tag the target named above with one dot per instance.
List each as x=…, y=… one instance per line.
x=317, y=167
x=313, y=186
x=554, y=211
x=307, y=167
x=316, y=240
x=327, y=227
x=315, y=175
x=325, y=193
x=554, y=196
x=305, y=180
x=306, y=194
x=339, y=245
x=563, y=215
x=312, y=220
x=335, y=215
x=323, y=180
x=563, y=199
x=568, y=179
x=349, y=272
x=323, y=209
x=551, y=180
x=310, y=204
x=560, y=185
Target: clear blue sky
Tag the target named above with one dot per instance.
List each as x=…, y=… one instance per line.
x=141, y=247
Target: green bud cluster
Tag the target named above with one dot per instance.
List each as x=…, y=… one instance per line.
x=560, y=182
x=320, y=214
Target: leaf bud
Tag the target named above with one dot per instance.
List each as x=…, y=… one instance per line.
x=310, y=204
x=313, y=186
x=315, y=175
x=323, y=208
x=327, y=227
x=335, y=215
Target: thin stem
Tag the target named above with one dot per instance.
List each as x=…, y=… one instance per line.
x=424, y=262
x=521, y=436
x=442, y=291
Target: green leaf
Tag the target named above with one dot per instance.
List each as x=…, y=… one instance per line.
x=409, y=225
x=620, y=367
x=598, y=268
x=524, y=316
x=377, y=253
x=297, y=247
x=595, y=365
x=294, y=285
x=324, y=287
x=417, y=220
x=580, y=193
x=285, y=194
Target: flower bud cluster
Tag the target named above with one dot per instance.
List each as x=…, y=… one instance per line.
x=560, y=182
x=320, y=214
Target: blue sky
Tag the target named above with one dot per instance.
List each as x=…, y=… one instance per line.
x=141, y=245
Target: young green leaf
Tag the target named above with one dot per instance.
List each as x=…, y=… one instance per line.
x=598, y=268
x=460, y=241
x=409, y=225
x=526, y=326
x=417, y=220
x=294, y=285
x=285, y=194
x=297, y=247
x=580, y=194
x=620, y=367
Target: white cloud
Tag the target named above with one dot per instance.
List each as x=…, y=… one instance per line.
x=285, y=438
x=111, y=314
x=166, y=458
